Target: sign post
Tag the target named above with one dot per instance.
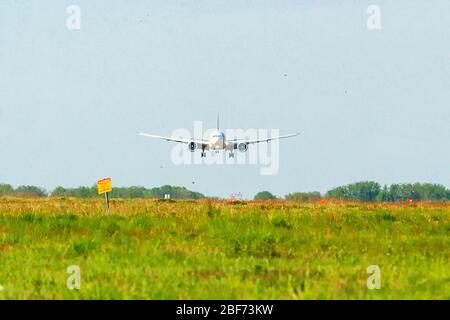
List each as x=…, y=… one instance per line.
x=107, y=200
x=105, y=187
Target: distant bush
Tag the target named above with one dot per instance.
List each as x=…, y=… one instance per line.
x=303, y=196
x=129, y=193
x=30, y=191
x=175, y=193
x=264, y=195
x=6, y=189
x=80, y=192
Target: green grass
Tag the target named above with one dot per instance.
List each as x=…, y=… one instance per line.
x=144, y=249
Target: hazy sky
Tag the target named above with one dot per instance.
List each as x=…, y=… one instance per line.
x=370, y=104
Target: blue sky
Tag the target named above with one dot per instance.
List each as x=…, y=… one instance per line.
x=370, y=105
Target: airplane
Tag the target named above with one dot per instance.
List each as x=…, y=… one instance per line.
x=217, y=141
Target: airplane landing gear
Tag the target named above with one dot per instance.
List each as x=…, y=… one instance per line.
x=231, y=155
x=203, y=155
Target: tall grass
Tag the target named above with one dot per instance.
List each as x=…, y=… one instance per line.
x=144, y=249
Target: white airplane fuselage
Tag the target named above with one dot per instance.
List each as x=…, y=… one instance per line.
x=217, y=141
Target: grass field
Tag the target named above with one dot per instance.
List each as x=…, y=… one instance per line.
x=143, y=249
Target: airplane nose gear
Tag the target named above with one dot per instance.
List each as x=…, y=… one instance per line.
x=231, y=155
x=203, y=155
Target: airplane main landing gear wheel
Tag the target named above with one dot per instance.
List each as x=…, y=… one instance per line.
x=231, y=155
x=203, y=154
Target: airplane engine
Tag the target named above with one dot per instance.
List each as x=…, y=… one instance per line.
x=242, y=147
x=192, y=146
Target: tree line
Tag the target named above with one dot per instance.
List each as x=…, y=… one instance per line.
x=175, y=192
x=360, y=191
x=372, y=191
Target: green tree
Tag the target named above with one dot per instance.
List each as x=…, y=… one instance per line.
x=128, y=193
x=369, y=191
x=31, y=191
x=416, y=191
x=362, y=191
x=264, y=195
x=303, y=196
x=80, y=192
x=6, y=189
x=59, y=192
x=175, y=192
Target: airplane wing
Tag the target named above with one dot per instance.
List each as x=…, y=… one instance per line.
x=265, y=140
x=201, y=142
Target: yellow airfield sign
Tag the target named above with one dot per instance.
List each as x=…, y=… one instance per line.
x=104, y=186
